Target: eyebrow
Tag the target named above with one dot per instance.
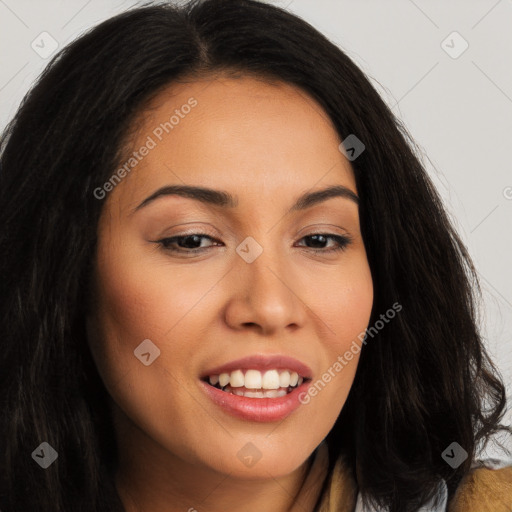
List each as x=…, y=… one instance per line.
x=226, y=200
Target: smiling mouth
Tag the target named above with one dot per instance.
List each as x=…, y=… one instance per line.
x=257, y=393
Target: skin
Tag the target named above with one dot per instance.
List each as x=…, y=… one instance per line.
x=267, y=144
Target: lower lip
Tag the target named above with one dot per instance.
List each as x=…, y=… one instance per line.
x=257, y=409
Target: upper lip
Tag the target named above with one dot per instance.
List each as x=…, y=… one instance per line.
x=262, y=362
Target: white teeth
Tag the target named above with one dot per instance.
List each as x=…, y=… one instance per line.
x=270, y=380
x=236, y=379
x=269, y=393
x=223, y=379
x=253, y=379
x=256, y=380
x=254, y=394
x=284, y=379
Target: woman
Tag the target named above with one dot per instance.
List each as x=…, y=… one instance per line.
x=229, y=282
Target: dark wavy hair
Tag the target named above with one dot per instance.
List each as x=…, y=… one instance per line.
x=423, y=381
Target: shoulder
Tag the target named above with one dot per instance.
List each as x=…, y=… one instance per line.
x=484, y=490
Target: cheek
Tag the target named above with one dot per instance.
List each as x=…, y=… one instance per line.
x=347, y=313
x=346, y=306
x=140, y=298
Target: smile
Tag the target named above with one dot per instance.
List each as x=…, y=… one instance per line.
x=255, y=384
x=256, y=396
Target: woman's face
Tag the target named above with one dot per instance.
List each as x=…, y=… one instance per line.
x=261, y=285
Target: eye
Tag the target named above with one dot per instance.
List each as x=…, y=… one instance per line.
x=341, y=241
x=191, y=243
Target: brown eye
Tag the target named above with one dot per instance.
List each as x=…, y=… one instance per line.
x=321, y=238
x=191, y=243
x=185, y=243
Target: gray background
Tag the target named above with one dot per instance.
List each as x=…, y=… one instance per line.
x=457, y=105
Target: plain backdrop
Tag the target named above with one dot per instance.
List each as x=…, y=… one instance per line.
x=444, y=68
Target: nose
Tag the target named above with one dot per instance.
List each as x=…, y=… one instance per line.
x=263, y=297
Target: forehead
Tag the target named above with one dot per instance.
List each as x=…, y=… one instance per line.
x=236, y=134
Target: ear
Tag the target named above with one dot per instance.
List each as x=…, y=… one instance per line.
x=484, y=490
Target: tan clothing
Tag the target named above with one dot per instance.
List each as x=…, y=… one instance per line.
x=482, y=490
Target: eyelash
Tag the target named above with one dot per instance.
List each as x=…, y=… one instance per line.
x=342, y=240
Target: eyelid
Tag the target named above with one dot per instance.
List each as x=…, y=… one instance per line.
x=322, y=226
x=342, y=242
x=317, y=229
